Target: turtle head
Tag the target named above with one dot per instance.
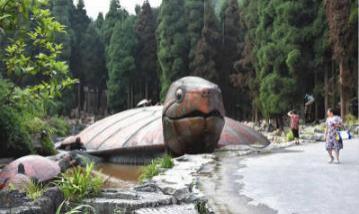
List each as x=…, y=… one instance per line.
x=193, y=116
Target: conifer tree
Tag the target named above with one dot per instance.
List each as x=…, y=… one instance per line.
x=206, y=50
x=173, y=43
x=145, y=29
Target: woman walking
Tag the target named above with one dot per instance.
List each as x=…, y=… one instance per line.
x=331, y=141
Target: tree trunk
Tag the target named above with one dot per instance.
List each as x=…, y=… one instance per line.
x=334, y=88
x=343, y=91
x=317, y=100
x=128, y=95
x=326, y=90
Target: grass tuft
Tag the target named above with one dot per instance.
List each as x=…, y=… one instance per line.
x=153, y=169
x=34, y=190
x=79, y=183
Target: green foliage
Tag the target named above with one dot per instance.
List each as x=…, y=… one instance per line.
x=34, y=190
x=32, y=52
x=204, y=63
x=290, y=136
x=173, y=43
x=79, y=183
x=121, y=64
x=93, y=58
x=194, y=12
x=146, y=54
x=149, y=171
x=14, y=138
x=48, y=147
x=276, y=94
x=351, y=120
x=166, y=161
x=153, y=169
x=63, y=10
x=59, y=126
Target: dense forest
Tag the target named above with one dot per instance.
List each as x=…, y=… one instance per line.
x=265, y=55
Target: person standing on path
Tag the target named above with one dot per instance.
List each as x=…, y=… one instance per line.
x=331, y=141
x=294, y=125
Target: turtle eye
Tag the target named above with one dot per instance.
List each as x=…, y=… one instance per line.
x=179, y=95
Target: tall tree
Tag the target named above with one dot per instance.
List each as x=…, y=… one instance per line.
x=173, y=43
x=80, y=23
x=194, y=12
x=115, y=14
x=99, y=21
x=121, y=65
x=232, y=39
x=63, y=11
x=338, y=15
x=93, y=59
x=284, y=52
x=145, y=29
x=205, y=53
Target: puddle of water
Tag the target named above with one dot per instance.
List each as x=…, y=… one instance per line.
x=120, y=176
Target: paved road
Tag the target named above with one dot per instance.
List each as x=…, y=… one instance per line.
x=295, y=180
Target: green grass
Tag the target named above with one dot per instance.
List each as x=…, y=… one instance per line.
x=79, y=183
x=34, y=190
x=153, y=168
x=166, y=162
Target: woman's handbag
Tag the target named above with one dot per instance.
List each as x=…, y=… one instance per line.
x=343, y=135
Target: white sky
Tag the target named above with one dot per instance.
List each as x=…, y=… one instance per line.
x=93, y=7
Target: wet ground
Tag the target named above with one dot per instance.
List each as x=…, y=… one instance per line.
x=120, y=176
x=295, y=180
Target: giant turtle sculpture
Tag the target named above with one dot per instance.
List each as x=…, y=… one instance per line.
x=192, y=120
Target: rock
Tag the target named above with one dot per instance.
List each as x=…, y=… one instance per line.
x=178, y=209
x=319, y=137
x=18, y=182
x=147, y=187
x=16, y=202
x=127, y=201
x=12, y=198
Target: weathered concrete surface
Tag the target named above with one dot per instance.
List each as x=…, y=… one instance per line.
x=295, y=180
x=172, y=191
x=174, y=209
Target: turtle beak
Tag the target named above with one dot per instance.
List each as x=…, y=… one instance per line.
x=194, y=125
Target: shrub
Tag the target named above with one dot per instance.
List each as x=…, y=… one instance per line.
x=48, y=147
x=79, y=183
x=14, y=139
x=351, y=119
x=60, y=127
x=290, y=136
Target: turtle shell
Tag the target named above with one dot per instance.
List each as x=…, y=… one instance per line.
x=134, y=129
x=140, y=129
x=37, y=167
